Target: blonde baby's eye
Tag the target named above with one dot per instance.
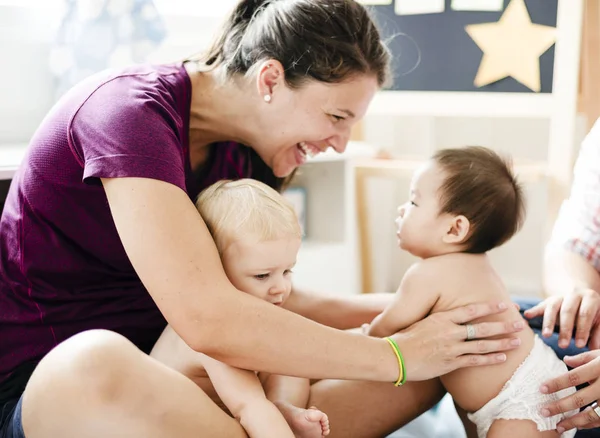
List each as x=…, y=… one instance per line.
x=261, y=276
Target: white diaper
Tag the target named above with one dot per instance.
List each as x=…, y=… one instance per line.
x=521, y=399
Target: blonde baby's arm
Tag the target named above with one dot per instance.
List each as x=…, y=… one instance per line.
x=413, y=301
x=242, y=393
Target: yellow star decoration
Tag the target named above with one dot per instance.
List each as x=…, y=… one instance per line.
x=511, y=47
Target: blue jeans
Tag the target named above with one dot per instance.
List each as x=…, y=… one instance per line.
x=552, y=341
x=10, y=420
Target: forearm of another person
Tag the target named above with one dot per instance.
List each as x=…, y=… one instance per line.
x=174, y=255
x=336, y=311
x=565, y=270
x=572, y=285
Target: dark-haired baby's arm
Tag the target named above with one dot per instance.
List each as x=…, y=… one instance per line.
x=413, y=301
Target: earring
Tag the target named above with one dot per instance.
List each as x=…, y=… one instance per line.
x=267, y=98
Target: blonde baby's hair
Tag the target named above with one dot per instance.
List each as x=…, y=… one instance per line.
x=246, y=208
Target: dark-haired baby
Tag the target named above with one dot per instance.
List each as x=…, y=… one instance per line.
x=463, y=203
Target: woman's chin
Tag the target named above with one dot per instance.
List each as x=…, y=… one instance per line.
x=283, y=171
x=280, y=174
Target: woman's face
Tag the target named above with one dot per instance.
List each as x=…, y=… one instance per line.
x=297, y=122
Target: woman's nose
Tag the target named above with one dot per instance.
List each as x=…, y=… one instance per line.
x=339, y=142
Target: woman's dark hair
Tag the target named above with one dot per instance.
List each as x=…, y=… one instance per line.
x=324, y=40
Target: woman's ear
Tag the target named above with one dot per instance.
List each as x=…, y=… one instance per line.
x=458, y=230
x=270, y=75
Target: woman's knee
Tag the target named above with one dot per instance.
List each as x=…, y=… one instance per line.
x=90, y=363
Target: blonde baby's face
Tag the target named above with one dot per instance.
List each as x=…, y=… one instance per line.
x=262, y=268
x=420, y=226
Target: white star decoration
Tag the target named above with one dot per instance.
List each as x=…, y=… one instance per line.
x=511, y=47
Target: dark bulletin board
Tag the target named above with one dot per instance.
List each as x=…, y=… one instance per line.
x=449, y=58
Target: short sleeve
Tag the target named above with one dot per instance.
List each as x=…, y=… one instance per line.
x=125, y=129
x=577, y=227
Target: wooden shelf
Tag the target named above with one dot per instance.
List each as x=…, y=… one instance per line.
x=404, y=168
x=355, y=149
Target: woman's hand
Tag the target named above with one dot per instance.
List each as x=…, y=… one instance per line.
x=586, y=370
x=579, y=308
x=438, y=344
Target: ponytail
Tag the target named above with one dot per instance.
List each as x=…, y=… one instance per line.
x=324, y=40
x=228, y=41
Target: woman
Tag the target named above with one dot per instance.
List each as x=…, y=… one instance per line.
x=99, y=232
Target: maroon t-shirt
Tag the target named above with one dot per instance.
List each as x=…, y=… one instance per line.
x=63, y=268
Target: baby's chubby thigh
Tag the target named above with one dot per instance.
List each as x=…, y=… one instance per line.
x=518, y=429
x=516, y=410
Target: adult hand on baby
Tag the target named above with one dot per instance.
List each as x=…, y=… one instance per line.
x=586, y=370
x=580, y=308
x=438, y=344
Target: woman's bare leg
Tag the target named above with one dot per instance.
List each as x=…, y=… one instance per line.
x=355, y=409
x=98, y=384
x=371, y=409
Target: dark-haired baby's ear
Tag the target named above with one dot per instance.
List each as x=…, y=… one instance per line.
x=458, y=230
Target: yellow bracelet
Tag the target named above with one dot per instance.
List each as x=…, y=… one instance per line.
x=402, y=371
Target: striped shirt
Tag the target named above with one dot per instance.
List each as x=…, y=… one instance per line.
x=577, y=227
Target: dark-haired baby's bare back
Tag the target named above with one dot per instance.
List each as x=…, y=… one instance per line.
x=466, y=279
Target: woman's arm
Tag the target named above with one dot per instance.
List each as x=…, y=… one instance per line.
x=335, y=311
x=565, y=270
x=174, y=255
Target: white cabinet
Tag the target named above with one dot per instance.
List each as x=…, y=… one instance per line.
x=328, y=259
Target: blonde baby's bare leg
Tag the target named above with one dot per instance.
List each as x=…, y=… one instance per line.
x=518, y=429
x=290, y=395
x=305, y=423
